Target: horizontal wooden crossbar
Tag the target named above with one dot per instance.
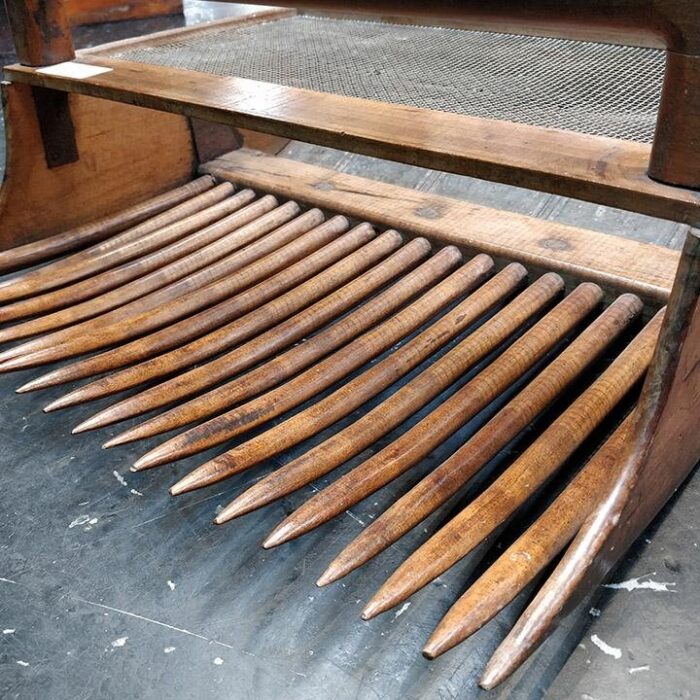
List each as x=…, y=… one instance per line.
x=598, y=169
x=619, y=264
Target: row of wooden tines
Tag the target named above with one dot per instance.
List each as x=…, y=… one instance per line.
x=228, y=309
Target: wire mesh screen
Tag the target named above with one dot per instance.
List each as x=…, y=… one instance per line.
x=579, y=86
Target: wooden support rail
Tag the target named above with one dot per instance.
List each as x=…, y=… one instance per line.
x=618, y=264
x=603, y=170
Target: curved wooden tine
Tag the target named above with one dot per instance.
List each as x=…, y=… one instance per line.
x=94, y=231
x=298, y=358
x=523, y=478
x=134, y=242
x=404, y=402
x=134, y=278
x=534, y=550
x=280, y=272
x=294, y=328
x=318, y=377
x=662, y=450
x=417, y=442
x=201, y=289
x=457, y=470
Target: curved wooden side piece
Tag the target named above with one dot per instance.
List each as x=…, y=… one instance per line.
x=664, y=448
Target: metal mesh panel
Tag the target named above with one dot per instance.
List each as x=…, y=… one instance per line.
x=592, y=88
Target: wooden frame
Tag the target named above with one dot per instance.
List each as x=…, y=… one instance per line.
x=657, y=446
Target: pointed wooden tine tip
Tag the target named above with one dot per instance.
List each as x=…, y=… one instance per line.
x=89, y=424
x=502, y=664
x=194, y=480
x=335, y=571
x=154, y=458
x=31, y=385
x=281, y=534
x=228, y=512
x=57, y=404
x=120, y=439
x=438, y=643
x=376, y=606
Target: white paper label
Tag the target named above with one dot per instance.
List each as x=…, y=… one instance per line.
x=71, y=69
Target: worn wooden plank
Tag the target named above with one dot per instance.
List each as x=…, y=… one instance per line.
x=603, y=170
x=619, y=264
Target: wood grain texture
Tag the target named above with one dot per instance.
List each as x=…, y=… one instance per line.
x=277, y=290
x=93, y=232
x=310, y=421
x=615, y=263
x=40, y=31
x=117, y=141
x=335, y=291
x=663, y=447
x=131, y=244
x=603, y=170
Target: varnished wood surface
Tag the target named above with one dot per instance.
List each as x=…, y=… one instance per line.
x=599, y=169
x=486, y=386
x=617, y=264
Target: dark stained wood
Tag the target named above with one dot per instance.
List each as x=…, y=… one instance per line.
x=40, y=31
x=286, y=365
x=617, y=264
x=186, y=255
x=675, y=157
x=353, y=439
x=155, y=310
x=522, y=479
x=536, y=548
x=56, y=126
x=132, y=154
x=436, y=488
x=599, y=169
x=674, y=23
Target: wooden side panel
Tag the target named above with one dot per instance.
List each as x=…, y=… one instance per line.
x=126, y=155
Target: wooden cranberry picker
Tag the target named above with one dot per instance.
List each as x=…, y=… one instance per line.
x=201, y=265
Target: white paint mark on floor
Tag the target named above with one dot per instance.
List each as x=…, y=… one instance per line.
x=606, y=648
x=635, y=584
x=354, y=517
x=401, y=610
x=119, y=642
x=7, y=580
x=594, y=612
x=169, y=650
x=171, y=585
x=638, y=669
x=134, y=492
x=80, y=520
x=119, y=478
x=8, y=631
x=22, y=663
x=155, y=622
x=218, y=661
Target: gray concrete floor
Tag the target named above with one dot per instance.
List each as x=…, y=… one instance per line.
x=88, y=610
